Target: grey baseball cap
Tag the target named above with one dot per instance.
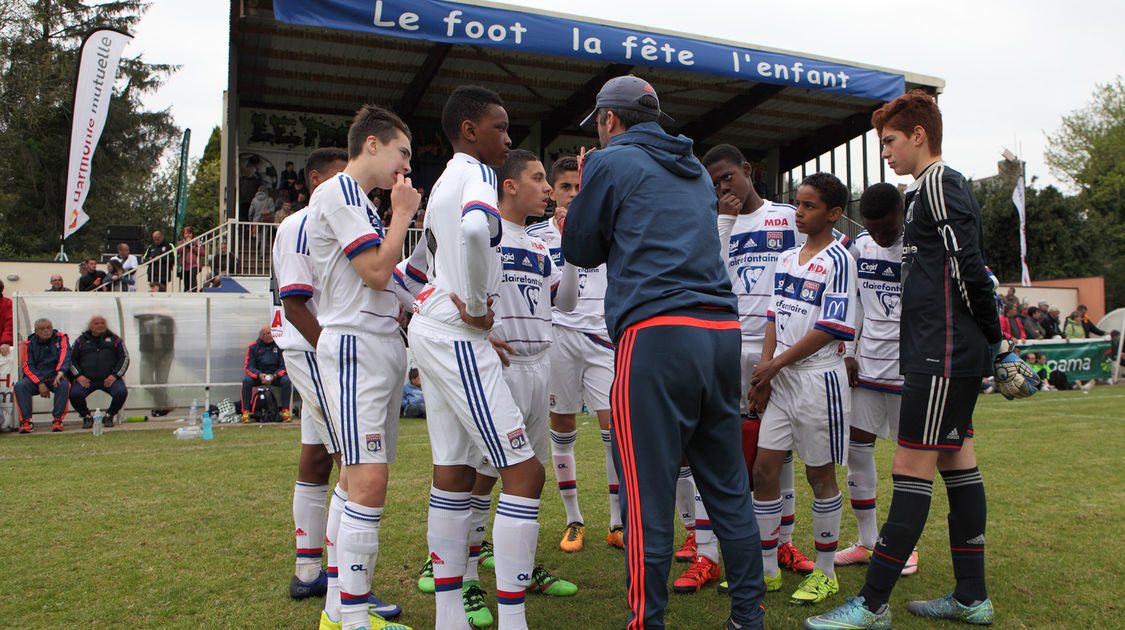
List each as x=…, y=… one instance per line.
x=626, y=93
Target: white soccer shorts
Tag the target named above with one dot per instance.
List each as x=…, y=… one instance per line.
x=808, y=412
x=751, y=357
x=527, y=379
x=581, y=369
x=304, y=373
x=363, y=375
x=876, y=412
x=469, y=408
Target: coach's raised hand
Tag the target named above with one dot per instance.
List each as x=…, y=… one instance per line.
x=404, y=200
x=484, y=322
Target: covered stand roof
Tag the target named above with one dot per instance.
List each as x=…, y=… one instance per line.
x=330, y=56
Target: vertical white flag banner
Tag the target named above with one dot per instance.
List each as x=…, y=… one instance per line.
x=1018, y=199
x=97, y=67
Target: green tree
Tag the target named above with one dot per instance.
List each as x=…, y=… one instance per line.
x=1088, y=149
x=39, y=46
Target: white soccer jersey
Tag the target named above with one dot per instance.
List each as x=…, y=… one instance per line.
x=465, y=187
x=342, y=223
x=411, y=275
x=589, y=315
x=819, y=294
x=523, y=312
x=880, y=288
x=293, y=275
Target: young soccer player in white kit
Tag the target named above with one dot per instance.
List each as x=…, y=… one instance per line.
x=470, y=410
x=581, y=370
x=813, y=312
x=360, y=351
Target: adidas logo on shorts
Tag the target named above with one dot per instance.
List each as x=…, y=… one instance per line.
x=953, y=435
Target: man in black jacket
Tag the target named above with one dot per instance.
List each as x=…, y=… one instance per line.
x=93, y=278
x=265, y=366
x=161, y=270
x=98, y=362
x=45, y=358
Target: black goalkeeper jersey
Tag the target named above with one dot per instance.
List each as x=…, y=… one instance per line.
x=948, y=303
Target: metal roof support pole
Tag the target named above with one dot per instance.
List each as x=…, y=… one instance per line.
x=848, y=163
x=866, y=180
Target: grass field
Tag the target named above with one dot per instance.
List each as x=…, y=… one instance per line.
x=136, y=529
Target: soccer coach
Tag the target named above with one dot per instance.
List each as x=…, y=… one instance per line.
x=647, y=209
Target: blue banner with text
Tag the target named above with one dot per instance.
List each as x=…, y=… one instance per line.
x=509, y=29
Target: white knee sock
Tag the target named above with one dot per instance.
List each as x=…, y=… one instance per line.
x=562, y=454
x=515, y=533
x=613, y=480
x=331, y=537
x=685, y=498
x=309, y=515
x=706, y=543
x=768, y=514
x=862, y=480
x=479, y=506
x=788, y=501
x=826, y=531
x=357, y=551
x=447, y=532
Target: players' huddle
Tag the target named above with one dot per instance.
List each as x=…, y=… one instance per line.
x=511, y=339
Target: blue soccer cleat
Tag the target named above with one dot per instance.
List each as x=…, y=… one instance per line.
x=316, y=588
x=852, y=615
x=947, y=607
x=382, y=608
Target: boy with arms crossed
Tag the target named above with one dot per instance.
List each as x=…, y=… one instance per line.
x=470, y=410
x=360, y=351
x=813, y=311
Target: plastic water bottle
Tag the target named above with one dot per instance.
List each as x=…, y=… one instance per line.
x=193, y=413
x=99, y=428
x=188, y=433
x=207, y=432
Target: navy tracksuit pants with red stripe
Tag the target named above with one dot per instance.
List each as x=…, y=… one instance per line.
x=676, y=390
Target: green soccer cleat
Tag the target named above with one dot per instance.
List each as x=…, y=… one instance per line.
x=376, y=623
x=773, y=583
x=487, y=558
x=947, y=607
x=814, y=589
x=852, y=615
x=426, y=577
x=547, y=584
x=476, y=611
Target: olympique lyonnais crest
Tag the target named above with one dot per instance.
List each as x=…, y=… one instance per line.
x=374, y=442
x=517, y=439
x=775, y=240
x=809, y=291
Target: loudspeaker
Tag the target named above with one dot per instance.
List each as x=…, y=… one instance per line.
x=131, y=235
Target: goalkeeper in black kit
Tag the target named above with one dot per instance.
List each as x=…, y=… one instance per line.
x=950, y=338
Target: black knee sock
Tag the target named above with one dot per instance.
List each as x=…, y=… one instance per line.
x=910, y=505
x=967, y=516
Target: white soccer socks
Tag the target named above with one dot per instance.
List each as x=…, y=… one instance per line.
x=562, y=455
x=862, y=480
x=685, y=498
x=613, y=481
x=706, y=543
x=515, y=533
x=826, y=527
x=479, y=506
x=788, y=500
x=356, y=552
x=331, y=537
x=447, y=533
x=309, y=515
x=768, y=514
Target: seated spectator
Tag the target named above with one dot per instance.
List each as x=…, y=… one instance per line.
x=302, y=201
x=115, y=278
x=6, y=337
x=57, y=283
x=1031, y=324
x=45, y=361
x=1087, y=325
x=1052, y=379
x=265, y=366
x=1072, y=329
x=285, y=210
x=1049, y=320
x=287, y=177
x=98, y=361
x=1011, y=325
x=224, y=263
x=128, y=263
x=413, y=404
x=93, y=278
x=81, y=272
